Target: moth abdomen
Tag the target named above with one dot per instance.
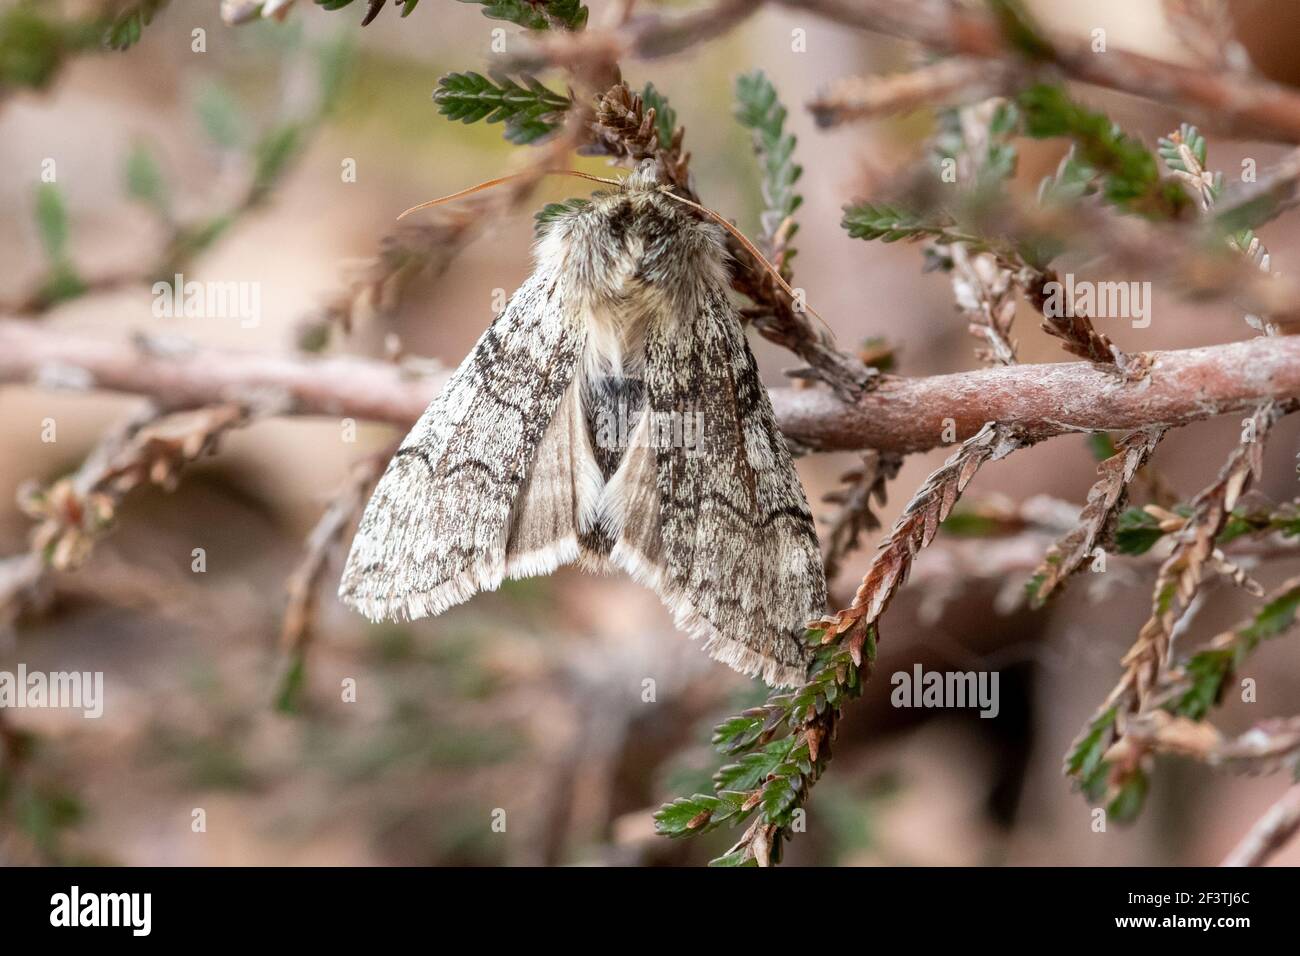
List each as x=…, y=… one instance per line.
x=613, y=405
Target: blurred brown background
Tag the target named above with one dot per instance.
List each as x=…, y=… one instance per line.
x=530, y=699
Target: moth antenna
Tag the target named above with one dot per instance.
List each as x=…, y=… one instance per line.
x=505, y=179
x=752, y=249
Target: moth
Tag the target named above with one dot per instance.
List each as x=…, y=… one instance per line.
x=611, y=417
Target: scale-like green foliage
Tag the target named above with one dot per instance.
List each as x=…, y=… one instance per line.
x=759, y=109
x=776, y=768
x=542, y=15
x=1128, y=171
x=552, y=210
x=62, y=281
x=1208, y=671
x=665, y=115
x=889, y=223
x=373, y=9
x=126, y=29
x=530, y=111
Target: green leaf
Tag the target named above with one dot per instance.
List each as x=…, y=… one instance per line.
x=1021, y=32
x=1127, y=802
x=540, y=15
x=1239, y=218
x=867, y=220
x=192, y=239
x=555, y=210
x=406, y=7
x=1032, y=588
x=737, y=733
x=665, y=115
x=1128, y=170
x=1072, y=180
x=126, y=29
x=759, y=110
x=1102, y=446
x=781, y=770
x=144, y=180
x=1275, y=617
x=1085, y=758
x=1235, y=526
x=272, y=156
x=523, y=132
x=1207, y=672
x=676, y=818
x=966, y=523
x=293, y=679
x=1163, y=599
x=52, y=221
x=1136, y=532
x=530, y=111
x=33, y=46
x=314, y=336
x=1170, y=149
x=753, y=768
x=779, y=797
x=738, y=858
x=220, y=116
x=62, y=282
x=1285, y=520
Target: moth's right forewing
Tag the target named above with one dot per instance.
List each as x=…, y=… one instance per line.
x=731, y=546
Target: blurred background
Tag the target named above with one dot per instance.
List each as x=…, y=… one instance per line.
x=529, y=700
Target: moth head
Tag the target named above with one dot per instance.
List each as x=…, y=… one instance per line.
x=648, y=176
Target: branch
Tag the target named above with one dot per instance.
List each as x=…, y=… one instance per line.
x=903, y=415
x=1231, y=101
x=75, y=511
x=297, y=627
x=859, y=487
x=191, y=378
x=1266, y=747
x=954, y=82
x=641, y=37
x=909, y=414
x=916, y=528
x=1272, y=832
x=1105, y=501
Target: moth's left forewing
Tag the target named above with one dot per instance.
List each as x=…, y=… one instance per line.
x=438, y=526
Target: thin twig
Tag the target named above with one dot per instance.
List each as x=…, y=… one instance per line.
x=297, y=624
x=916, y=528
x=855, y=514
x=952, y=82
x=1105, y=500
x=1264, y=748
x=1230, y=101
x=1272, y=832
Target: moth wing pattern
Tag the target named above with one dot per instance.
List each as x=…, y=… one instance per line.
x=720, y=527
x=436, y=528
x=511, y=471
